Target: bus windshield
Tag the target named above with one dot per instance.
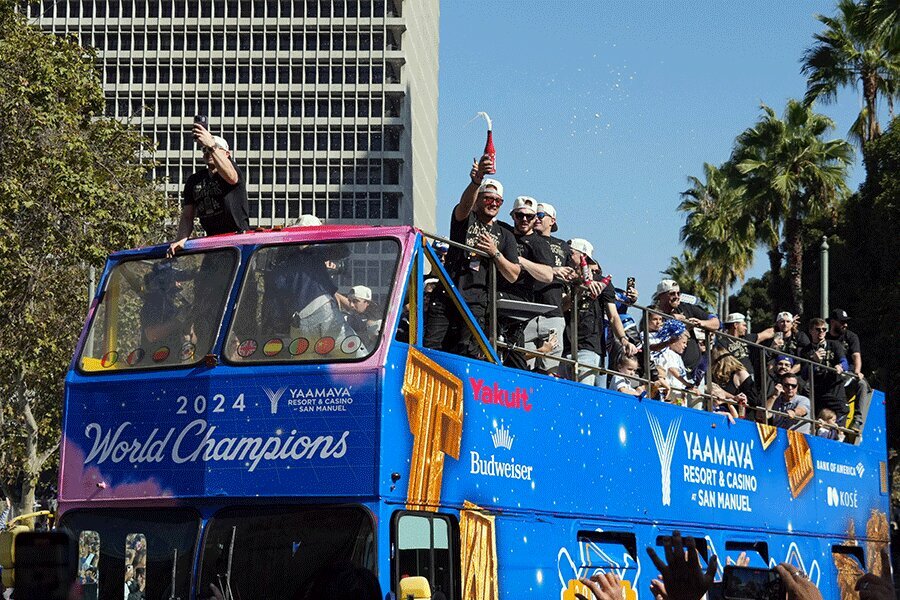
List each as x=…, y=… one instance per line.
x=313, y=302
x=159, y=312
x=147, y=552
x=274, y=552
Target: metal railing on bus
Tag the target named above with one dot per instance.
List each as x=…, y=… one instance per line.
x=711, y=401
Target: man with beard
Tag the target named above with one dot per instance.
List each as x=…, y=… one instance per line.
x=474, y=223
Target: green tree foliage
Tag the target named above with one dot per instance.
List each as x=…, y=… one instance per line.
x=794, y=173
x=718, y=231
x=850, y=52
x=73, y=187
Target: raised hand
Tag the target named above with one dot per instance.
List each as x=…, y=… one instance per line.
x=681, y=572
x=604, y=586
x=875, y=587
x=797, y=584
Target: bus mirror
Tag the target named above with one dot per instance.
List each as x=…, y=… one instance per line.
x=8, y=552
x=415, y=588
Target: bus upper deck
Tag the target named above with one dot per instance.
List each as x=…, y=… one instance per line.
x=232, y=403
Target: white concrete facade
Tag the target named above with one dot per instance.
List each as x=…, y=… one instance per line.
x=330, y=106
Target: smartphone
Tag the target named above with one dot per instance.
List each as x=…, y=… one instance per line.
x=629, y=283
x=201, y=121
x=46, y=565
x=749, y=583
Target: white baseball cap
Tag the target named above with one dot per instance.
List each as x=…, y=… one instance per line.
x=735, y=317
x=487, y=182
x=665, y=286
x=550, y=210
x=524, y=204
x=361, y=292
x=221, y=143
x=583, y=246
x=307, y=221
x=784, y=316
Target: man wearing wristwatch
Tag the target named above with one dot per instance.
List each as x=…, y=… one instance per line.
x=474, y=223
x=216, y=194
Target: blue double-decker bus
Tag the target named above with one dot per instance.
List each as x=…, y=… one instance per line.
x=261, y=406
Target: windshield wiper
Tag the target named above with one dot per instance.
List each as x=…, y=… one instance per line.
x=172, y=595
x=225, y=586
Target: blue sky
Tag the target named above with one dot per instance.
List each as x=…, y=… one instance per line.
x=604, y=108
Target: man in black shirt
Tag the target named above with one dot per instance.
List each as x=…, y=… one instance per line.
x=596, y=304
x=828, y=385
x=541, y=328
x=858, y=391
x=473, y=223
x=786, y=340
x=537, y=268
x=736, y=325
x=216, y=194
x=668, y=300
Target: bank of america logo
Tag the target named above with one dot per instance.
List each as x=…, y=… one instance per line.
x=860, y=469
x=502, y=438
x=274, y=396
x=665, y=449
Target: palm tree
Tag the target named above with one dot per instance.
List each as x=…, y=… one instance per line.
x=884, y=19
x=798, y=174
x=849, y=52
x=717, y=230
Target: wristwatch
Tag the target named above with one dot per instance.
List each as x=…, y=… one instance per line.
x=496, y=255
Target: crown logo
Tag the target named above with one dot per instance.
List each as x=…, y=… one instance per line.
x=502, y=438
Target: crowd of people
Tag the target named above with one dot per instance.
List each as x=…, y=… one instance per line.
x=542, y=279
x=770, y=375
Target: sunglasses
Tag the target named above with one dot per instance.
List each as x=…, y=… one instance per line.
x=820, y=329
x=789, y=385
x=492, y=201
x=674, y=293
x=519, y=216
x=540, y=215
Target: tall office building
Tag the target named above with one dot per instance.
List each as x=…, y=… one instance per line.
x=330, y=106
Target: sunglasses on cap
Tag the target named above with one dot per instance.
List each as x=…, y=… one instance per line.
x=520, y=216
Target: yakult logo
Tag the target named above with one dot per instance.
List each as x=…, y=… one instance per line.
x=487, y=394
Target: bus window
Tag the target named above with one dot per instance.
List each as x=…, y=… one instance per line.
x=426, y=545
x=159, y=312
x=135, y=566
x=89, y=563
x=313, y=302
x=144, y=551
x=274, y=552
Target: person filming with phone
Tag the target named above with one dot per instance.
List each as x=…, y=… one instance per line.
x=217, y=194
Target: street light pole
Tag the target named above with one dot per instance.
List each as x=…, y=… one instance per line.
x=823, y=273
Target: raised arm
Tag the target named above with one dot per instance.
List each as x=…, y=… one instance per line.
x=470, y=194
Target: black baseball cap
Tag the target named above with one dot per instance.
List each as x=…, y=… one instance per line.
x=839, y=314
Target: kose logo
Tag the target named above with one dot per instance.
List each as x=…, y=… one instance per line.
x=840, y=498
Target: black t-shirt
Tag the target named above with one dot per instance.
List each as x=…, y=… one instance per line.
x=591, y=316
x=849, y=340
x=536, y=249
x=295, y=277
x=827, y=384
x=740, y=350
x=221, y=207
x=793, y=344
x=691, y=356
x=470, y=273
x=552, y=293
